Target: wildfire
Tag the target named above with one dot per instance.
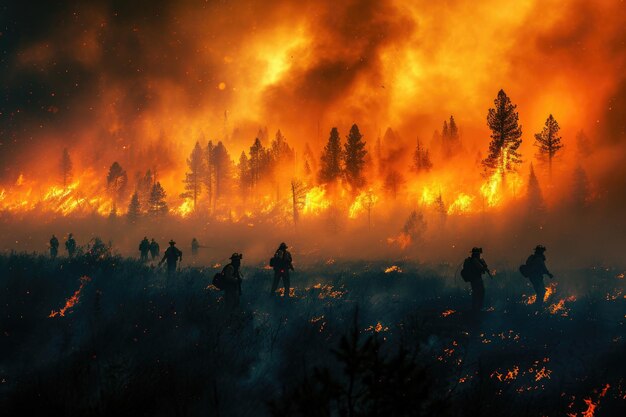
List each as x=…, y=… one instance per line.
x=71, y=302
x=462, y=204
x=403, y=240
x=393, y=268
x=363, y=202
x=315, y=201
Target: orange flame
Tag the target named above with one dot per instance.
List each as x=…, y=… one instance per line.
x=72, y=301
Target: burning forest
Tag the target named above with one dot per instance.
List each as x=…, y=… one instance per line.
x=410, y=157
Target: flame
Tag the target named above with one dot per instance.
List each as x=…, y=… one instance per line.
x=447, y=313
x=363, y=202
x=462, y=204
x=71, y=302
x=315, y=201
x=403, y=240
x=393, y=268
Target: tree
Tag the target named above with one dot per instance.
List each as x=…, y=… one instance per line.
x=66, y=167
x=450, y=137
x=223, y=169
x=298, y=198
x=134, y=208
x=536, y=205
x=415, y=225
x=421, y=158
x=209, y=173
x=440, y=208
x=257, y=157
x=506, y=135
x=549, y=141
x=116, y=181
x=354, y=158
x=580, y=191
x=393, y=181
x=144, y=188
x=197, y=173
x=244, y=175
x=157, y=206
x=330, y=160
x=281, y=151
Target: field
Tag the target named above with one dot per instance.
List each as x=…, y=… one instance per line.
x=357, y=339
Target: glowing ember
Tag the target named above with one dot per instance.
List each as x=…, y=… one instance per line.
x=377, y=328
x=447, y=313
x=393, y=268
x=71, y=302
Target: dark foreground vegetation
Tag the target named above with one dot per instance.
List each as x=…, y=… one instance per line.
x=357, y=339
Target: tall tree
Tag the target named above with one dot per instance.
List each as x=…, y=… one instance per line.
x=330, y=160
x=298, y=199
x=257, y=157
x=244, y=175
x=421, y=158
x=209, y=173
x=281, y=151
x=144, y=188
x=506, y=135
x=440, y=208
x=549, y=141
x=534, y=197
x=116, y=181
x=157, y=206
x=134, y=208
x=196, y=174
x=453, y=132
x=354, y=158
x=223, y=169
x=66, y=167
x=393, y=182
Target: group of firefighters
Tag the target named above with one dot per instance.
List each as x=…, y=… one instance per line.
x=229, y=279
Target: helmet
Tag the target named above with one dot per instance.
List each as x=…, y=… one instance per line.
x=540, y=248
x=477, y=250
x=172, y=242
x=283, y=245
x=236, y=256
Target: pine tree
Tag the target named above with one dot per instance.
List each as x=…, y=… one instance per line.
x=116, y=181
x=209, y=172
x=309, y=156
x=549, y=141
x=298, y=196
x=157, y=206
x=197, y=173
x=281, y=151
x=134, y=208
x=440, y=208
x=257, y=156
x=244, y=175
x=506, y=135
x=453, y=132
x=223, y=169
x=66, y=167
x=354, y=158
x=421, y=158
x=393, y=181
x=144, y=188
x=330, y=160
x=536, y=205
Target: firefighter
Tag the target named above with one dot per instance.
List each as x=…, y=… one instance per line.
x=154, y=249
x=70, y=245
x=232, y=281
x=282, y=264
x=473, y=269
x=144, y=248
x=171, y=255
x=536, y=269
x=54, y=246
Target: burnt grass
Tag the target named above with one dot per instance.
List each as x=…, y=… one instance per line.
x=136, y=344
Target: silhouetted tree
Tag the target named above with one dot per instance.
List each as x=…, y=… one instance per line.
x=257, y=158
x=506, y=135
x=281, y=151
x=134, y=208
x=298, y=195
x=66, y=167
x=144, y=188
x=421, y=158
x=536, y=204
x=393, y=181
x=116, y=181
x=450, y=138
x=354, y=158
x=440, y=208
x=209, y=173
x=309, y=157
x=549, y=141
x=244, y=175
x=330, y=160
x=454, y=130
x=415, y=225
x=197, y=173
x=223, y=169
x=157, y=206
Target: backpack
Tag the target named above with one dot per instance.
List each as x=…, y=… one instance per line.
x=218, y=280
x=524, y=270
x=465, y=272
